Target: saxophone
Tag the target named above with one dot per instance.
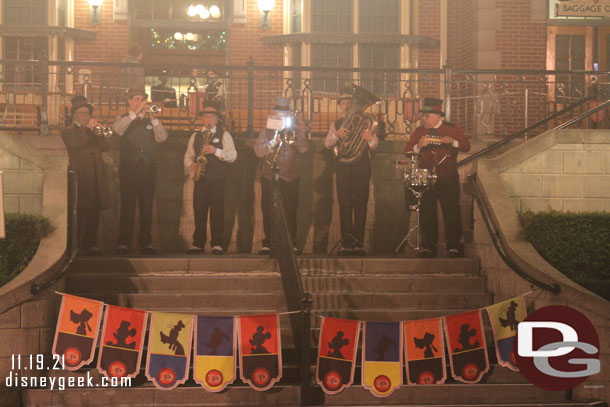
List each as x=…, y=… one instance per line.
x=202, y=162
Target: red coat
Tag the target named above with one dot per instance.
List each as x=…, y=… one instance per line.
x=447, y=169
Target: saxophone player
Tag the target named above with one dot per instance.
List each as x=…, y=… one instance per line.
x=352, y=181
x=209, y=152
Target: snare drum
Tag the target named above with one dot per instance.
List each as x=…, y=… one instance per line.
x=418, y=178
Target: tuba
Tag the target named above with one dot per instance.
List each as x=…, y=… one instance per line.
x=202, y=161
x=352, y=147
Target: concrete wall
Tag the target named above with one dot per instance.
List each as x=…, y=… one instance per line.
x=22, y=184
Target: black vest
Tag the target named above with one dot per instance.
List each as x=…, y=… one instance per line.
x=138, y=143
x=215, y=168
x=364, y=158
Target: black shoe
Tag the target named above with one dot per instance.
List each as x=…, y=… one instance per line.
x=149, y=250
x=217, y=250
x=93, y=251
x=264, y=251
x=455, y=253
x=426, y=254
x=195, y=250
x=121, y=249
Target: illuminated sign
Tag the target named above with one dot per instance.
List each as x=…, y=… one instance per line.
x=582, y=8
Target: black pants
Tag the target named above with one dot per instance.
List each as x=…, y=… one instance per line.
x=208, y=196
x=88, y=220
x=447, y=192
x=137, y=187
x=353, y=197
x=290, y=196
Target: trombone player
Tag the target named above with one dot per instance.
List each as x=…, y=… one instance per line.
x=207, y=156
x=352, y=176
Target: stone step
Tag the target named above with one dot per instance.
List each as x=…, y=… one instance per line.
x=308, y=265
x=85, y=283
x=277, y=302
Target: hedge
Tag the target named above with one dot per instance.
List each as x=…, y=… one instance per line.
x=577, y=244
x=23, y=234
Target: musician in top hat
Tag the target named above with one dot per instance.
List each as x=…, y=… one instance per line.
x=352, y=181
x=85, y=148
x=140, y=133
x=287, y=160
x=438, y=143
x=215, y=144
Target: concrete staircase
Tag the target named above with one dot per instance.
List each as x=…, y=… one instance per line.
x=375, y=289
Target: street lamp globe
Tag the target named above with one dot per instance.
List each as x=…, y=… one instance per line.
x=266, y=5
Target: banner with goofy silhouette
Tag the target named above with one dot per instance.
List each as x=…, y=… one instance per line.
x=504, y=317
x=467, y=348
x=215, y=362
x=425, y=351
x=382, y=357
x=337, y=350
x=169, y=349
x=120, y=351
x=260, y=350
x=77, y=330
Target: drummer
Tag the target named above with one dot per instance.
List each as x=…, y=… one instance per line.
x=437, y=143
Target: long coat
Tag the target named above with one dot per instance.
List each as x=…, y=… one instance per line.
x=85, y=150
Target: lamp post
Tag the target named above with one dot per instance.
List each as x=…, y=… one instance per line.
x=94, y=11
x=265, y=6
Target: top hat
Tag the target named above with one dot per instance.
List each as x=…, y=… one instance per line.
x=79, y=101
x=432, y=105
x=282, y=105
x=131, y=92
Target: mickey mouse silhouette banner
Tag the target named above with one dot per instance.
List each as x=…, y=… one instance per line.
x=120, y=352
x=215, y=362
x=77, y=330
x=260, y=350
x=169, y=349
x=425, y=351
x=467, y=348
x=504, y=317
x=337, y=354
x=382, y=357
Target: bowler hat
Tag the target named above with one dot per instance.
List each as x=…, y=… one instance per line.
x=210, y=103
x=432, y=105
x=131, y=92
x=345, y=93
x=79, y=101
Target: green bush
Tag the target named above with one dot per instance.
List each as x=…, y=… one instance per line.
x=23, y=234
x=577, y=244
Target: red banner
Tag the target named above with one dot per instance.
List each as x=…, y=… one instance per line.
x=260, y=351
x=467, y=348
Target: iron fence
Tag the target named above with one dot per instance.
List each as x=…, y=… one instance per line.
x=36, y=95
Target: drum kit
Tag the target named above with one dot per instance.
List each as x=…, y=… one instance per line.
x=417, y=180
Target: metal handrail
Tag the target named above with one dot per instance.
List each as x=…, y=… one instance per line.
x=494, y=233
x=584, y=115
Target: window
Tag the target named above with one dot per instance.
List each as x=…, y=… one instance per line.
x=24, y=12
x=569, y=56
x=295, y=16
x=379, y=16
x=330, y=55
x=332, y=16
x=379, y=56
x=23, y=48
x=178, y=10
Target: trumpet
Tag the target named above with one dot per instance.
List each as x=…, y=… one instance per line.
x=154, y=109
x=102, y=131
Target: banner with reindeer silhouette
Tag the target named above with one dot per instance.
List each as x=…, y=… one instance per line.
x=214, y=361
x=504, y=317
x=467, y=348
x=425, y=351
x=169, y=349
x=120, y=351
x=260, y=350
x=337, y=350
x=77, y=329
x=382, y=357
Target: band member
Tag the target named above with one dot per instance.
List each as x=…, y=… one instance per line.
x=352, y=181
x=438, y=143
x=85, y=148
x=140, y=133
x=209, y=152
x=288, y=162
x=163, y=93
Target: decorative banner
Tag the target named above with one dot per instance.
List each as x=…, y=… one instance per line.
x=382, y=357
x=169, y=349
x=260, y=350
x=120, y=352
x=467, y=348
x=77, y=330
x=337, y=354
x=425, y=351
x=505, y=316
x=214, y=363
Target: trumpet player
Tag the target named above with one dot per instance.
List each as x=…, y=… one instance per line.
x=352, y=182
x=141, y=133
x=287, y=160
x=85, y=148
x=209, y=152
